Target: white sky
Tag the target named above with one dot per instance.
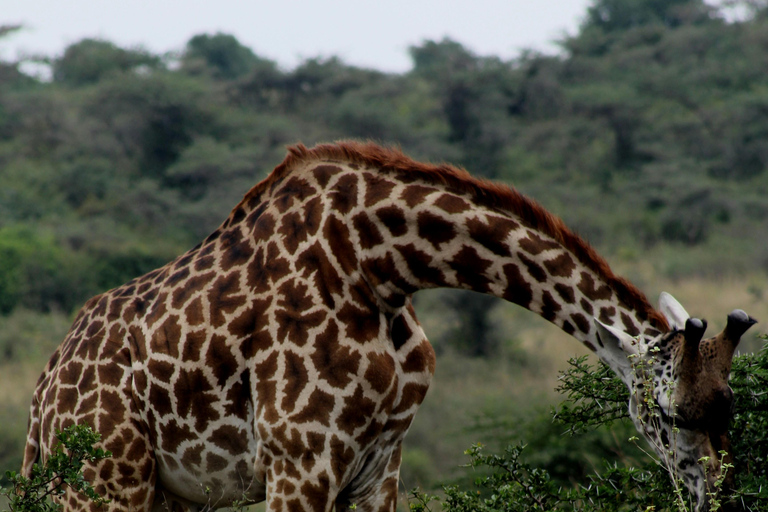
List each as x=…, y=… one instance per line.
x=374, y=34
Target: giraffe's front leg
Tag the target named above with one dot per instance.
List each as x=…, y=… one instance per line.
x=375, y=489
x=290, y=490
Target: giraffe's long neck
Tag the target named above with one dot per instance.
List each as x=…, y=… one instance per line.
x=440, y=238
x=402, y=226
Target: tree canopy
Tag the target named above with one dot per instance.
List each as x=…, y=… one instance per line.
x=649, y=131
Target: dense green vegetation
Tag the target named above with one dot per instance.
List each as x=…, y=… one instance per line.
x=648, y=134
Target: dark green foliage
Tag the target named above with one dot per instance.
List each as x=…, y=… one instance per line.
x=35, y=272
x=222, y=53
x=594, y=400
x=648, y=132
x=90, y=60
x=616, y=15
x=472, y=331
x=64, y=468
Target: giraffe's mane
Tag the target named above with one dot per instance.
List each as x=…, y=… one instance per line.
x=490, y=194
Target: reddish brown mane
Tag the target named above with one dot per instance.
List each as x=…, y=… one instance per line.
x=493, y=195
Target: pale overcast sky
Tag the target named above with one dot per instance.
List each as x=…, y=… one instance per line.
x=360, y=32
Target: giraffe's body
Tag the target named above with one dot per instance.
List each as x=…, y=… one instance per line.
x=281, y=358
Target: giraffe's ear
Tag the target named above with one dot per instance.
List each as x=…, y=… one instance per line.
x=615, y=346
x=675, y=314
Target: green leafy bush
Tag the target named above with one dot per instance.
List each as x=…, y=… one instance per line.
x=594, y=399
x=64, y=468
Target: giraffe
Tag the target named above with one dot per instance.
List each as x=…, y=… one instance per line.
x=281, y=358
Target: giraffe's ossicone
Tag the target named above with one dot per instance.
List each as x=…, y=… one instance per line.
x=281, y=359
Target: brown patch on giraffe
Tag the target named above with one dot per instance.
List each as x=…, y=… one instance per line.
x=165, y=339
x=236, y=250
x=607, y=314
x=435, y=229
x=413, y=394
x=450, y=203
x=334, y=362
x=470, y=269
x=175, y=278
x=316, y=494
x=195, y=397
x=180, y=296
x=230, y=439
x=267, y=267
x=314, y=262
x=394, y=219
x=586, y=306
x=399, y=331
x=108, y=375
x=560, y=266
x=160, y=399
x=419, y=264
x=293, y=231
x=344, y=194
x=380, y=372
x=315, y=442
x=341, y=457
x=87, y=407
x=194, y=312
x=581, y=322
x=264, y=227
x=160, y=369
x=66, y=399
x=337, y=234
x=225, y=296
x=590, y=290
x=360, y=324
x=69, y=375
x=368, y=233
x=420, y=359
x=629, y=326
x=319, y=408
x=203, y=263
x=238, y=400
x=534, y=269
x=535, y=244
x=313, y=214
x=221, y=359
x=518, y=290
x=295, y=377
x=214, y=463
x=174, y=434
x=549, y=306
x=324, y=173
x=295, y=189
x=377, y=189
x=293, y=321
x=357, y=410
x=194, y=340
x=416, y=194
x=249, y=327
x=292, y=444
x=492, y=234
x=383, y=276
x=266, y=388
x=565, y=292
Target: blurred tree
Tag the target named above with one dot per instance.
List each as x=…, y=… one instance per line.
x=473, y=332
x=222, y=54
x=36, y=273
x=90, y=60
x=619, y=15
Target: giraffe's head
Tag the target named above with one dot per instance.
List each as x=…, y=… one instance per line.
x=679, y=395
